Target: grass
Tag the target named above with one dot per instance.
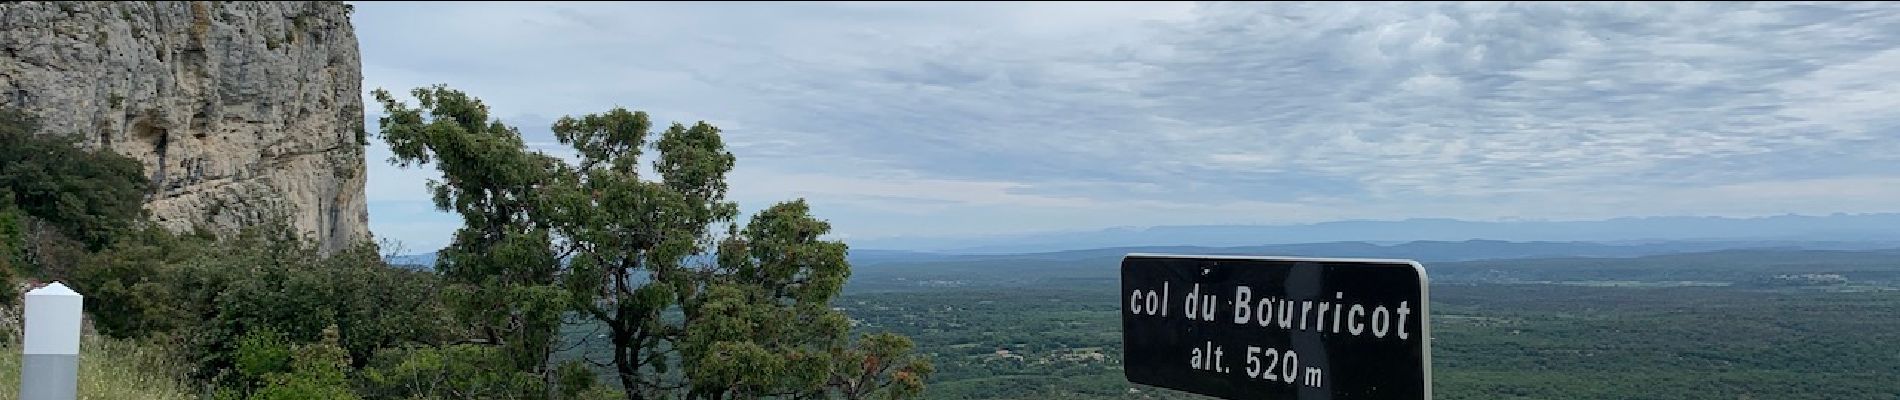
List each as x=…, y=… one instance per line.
x=109, y=369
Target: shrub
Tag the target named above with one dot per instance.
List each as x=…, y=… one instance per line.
x=269, y=368
x=88, y=195
x=207, y=295
x=459, y=371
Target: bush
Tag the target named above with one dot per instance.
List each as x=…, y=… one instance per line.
x=139, y=286
x=88, y=195
x=207, y=295
x=453, y=371
x=288, y=287
x=11, y=237
x=269, y=368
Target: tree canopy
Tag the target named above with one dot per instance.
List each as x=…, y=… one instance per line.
x=695, y=305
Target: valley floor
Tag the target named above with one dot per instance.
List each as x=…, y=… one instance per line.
x=1492, y=341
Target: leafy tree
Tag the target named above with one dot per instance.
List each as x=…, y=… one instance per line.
x=501, y=271
x=764, y=326
x=880, y=367
x=629, y=236
x=689, y=313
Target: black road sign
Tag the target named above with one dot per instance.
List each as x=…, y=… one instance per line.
x=1241, y=327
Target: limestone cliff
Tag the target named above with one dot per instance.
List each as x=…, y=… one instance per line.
x=236, y=108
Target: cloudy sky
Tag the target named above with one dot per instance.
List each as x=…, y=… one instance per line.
x=918, y=119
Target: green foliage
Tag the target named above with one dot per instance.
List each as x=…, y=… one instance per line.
x=881, y=366
x=261, y=353
x=688, y=313
x=501, y=271
x=12, y=246
x=463, y=371
x=260, y=314
x=110, y=369
x=737, y=339
x=141, y=285
x=211, y=297
x=58, y=200
x=291, y=288
x=574, y=379
x=89, y=195
x=269, y=368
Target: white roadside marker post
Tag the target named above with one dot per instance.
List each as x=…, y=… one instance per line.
x=50, y=370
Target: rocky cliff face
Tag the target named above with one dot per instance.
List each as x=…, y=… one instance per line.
x=236, y=108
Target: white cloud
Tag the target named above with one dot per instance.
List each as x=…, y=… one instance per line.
x=1856, y=98
x=1011, y=116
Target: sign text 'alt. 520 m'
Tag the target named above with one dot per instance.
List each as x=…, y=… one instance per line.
x=1277, y=328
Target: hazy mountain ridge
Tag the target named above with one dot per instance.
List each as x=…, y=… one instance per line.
x=1786, y=228
x=1429, y=251
x=1879, y=268
x=1424, y=251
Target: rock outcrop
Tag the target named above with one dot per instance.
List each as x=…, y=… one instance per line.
x=237, y=109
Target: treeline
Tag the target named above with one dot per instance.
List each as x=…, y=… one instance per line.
x=695, y=304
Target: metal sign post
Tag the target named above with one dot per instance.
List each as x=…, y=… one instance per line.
x=1277, y=327
x=50, y=369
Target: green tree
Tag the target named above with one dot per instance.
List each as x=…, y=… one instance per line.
x=630, y=237
x=499, y=266
x=690, y=313
x=880, y=366
x=764, y=326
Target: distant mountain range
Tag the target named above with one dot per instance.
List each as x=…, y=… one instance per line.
x=1420, y=239
x=1428, y=251
x=415, y=261
x=1788, y=228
